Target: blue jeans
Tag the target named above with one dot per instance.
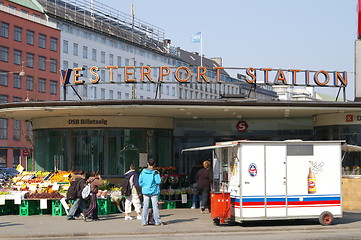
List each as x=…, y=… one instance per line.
x=156, y=216
x=194, y=200
x=78, y=203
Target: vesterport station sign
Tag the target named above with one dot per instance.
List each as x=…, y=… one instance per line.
x=183, y=74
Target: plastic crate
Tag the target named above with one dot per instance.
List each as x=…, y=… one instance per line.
x=188, y=204
x=57, y=208
x=29, y=207
x=169, y=205
x=9, y=208
x=113, y=208
x=104, y=206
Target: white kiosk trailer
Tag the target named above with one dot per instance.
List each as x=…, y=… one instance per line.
x=273, y=180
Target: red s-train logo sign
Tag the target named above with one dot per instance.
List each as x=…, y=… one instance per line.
x=242, y=126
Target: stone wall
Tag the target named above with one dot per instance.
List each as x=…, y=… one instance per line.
x=351, y=193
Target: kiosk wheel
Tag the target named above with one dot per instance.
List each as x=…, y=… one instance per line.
x=326, y=218
x=216, y=221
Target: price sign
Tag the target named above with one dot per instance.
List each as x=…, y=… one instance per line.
x=55, y=187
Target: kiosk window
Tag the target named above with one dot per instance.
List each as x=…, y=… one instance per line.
x=299, y=150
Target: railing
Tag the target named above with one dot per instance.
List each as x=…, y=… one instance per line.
x=27, y=16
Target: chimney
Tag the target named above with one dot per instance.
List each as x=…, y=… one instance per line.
x=166, y=45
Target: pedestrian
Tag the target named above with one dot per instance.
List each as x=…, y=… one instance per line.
x=149, y=180
x=192, y=179
x=95, y=181
x=204, y=179
x=135, y=190
x=78, y=206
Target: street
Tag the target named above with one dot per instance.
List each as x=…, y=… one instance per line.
x=181, y=223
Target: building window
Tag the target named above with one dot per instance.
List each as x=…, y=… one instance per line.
x=53, y=65
x=85, y=52
x=17, y=81
x=94, y=54
x=102, y=75
x=53, y=44
x=4, y=54
x=4, y=78
x=119, y=95
x=16, y=99
x=53, y=87
x=111, y=94
x=65, y=64
x=29, y=83
x=102, y=93
x=75, y=49
x=85, y=90
x=85, y=72
x=65, y=46
x=16, y=129
x=4, y=30
x=3, y=135
x=29, y=37
x=119, y=61
x=42, y=41
x=17, y=57
x=42, y=85
x=30, y=60
x=4, y=98
x=18, y=33
x=42, y=63
x=16, y=157
x=111, y=59
x=102, y=57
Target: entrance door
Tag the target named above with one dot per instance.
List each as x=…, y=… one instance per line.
x=276, y=181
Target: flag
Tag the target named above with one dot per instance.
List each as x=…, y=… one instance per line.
x=196, y=38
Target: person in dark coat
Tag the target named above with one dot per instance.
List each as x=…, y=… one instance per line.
x=192, y=179
x=204, y=180
x=136, y=190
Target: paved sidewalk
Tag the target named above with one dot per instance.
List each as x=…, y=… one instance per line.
x=178, y=221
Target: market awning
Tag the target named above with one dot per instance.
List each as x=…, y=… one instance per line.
x=209, y=147
x=350, y=148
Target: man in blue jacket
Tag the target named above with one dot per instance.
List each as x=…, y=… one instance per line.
x=149, y=180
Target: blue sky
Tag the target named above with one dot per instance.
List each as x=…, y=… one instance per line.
x=307, y=34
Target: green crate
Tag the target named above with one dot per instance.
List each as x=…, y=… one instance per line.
x=113, y=208
x=7, y=208
x=169, y=205
x=29, y=207
x=57, y=208
x=104, y=206
x=188, y=204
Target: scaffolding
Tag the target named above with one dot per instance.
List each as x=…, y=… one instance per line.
x=107, y=20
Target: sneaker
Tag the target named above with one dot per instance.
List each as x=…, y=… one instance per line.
x=72, y=218
x=128, y=218
x=160, y=224
x=193, y=207
x=139, y=217
x=143, y=224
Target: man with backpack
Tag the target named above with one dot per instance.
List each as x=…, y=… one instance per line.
x=131, y=190
x=74, y=193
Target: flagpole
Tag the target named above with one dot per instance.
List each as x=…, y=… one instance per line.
x=201, y=50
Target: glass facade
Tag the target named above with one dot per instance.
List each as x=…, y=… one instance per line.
x=189, y=133
x=351, y=161
x=109, y=151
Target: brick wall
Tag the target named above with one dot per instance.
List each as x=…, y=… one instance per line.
x=351, y=193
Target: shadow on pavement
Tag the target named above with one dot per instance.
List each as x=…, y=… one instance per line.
x=8, y=224
x=181, y=220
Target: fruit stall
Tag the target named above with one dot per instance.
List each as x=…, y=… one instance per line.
x=37, y=192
